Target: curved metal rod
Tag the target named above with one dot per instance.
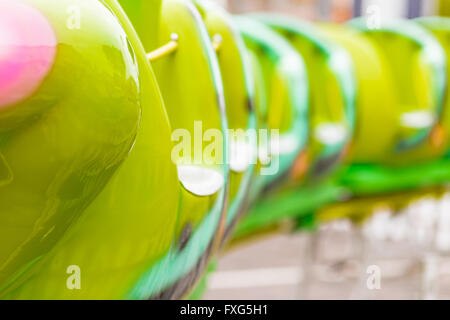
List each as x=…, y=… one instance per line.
x=217, y=42
x=165, y=50
x=172, y=46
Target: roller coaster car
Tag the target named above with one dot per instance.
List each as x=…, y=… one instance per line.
x=129, y=147
x=331, y=116
x=66, y=141
x=282, y=101
x=147, y=226
x=415, y=133
x=406, y=153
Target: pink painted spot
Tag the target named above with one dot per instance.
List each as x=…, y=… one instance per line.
x=27, y=51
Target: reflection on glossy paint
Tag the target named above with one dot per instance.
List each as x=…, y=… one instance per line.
x=68, y=120
x=201, y=181
x=27, y=51
x=242, y=155
x=331, y=133
x=286, y=144
x=417, y=119
x=6, y=175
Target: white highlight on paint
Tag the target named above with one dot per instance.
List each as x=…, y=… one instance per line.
x=264, y=154
x=241, y=155
x=330, y=133
x=280, y=145
x=417, y=119
x=286, y=144
x=254, y=278
x=199, y=180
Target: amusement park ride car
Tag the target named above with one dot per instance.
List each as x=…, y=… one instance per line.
x=95, y=95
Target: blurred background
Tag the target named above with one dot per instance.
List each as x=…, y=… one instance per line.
x=340, y=10
x=394, y=255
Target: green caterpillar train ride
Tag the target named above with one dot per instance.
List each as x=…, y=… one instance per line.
x=102, y=103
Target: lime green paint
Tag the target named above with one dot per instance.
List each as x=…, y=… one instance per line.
x=440, y=27
x=144, y=15
x=62, y=145
x=332, y=84
x=191, y=86
x=287, y=89
x=190, y=82
x=121, y=233
x=238, y=90
x=417, y=63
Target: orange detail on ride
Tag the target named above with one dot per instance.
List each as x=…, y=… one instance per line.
x=437, y=137
x=300, y=167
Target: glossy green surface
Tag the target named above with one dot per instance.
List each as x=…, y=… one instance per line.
x=188, y=101
x=285, y=105
x=190, y=83
x=420, y=163
x=120, y=234
x=417, y=65
x=415, y=70
x=374, y=100
x=332, y=91
x=440, y=27
x=63, y=144
x=238, y=90
x=375, y=140
x=144, y=15
x=87, y=173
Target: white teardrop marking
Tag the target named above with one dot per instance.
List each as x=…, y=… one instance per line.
x=200, y=181
x=330, y=133
x=417, y=119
